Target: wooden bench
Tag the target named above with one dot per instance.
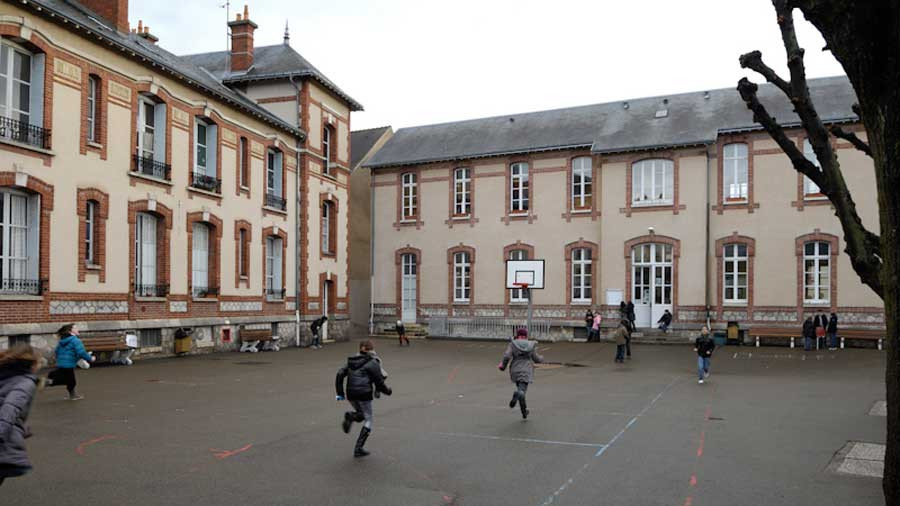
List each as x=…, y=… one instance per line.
x=251, y=338
x=794, y=334
x=112, y=343
x=863, y=335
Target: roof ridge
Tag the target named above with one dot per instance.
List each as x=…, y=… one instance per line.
x=370, y=129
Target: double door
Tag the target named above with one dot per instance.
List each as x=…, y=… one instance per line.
x=651, y=274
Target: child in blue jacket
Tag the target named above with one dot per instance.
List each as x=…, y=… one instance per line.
x=68, y=352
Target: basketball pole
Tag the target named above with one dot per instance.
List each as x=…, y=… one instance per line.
x=528, y=325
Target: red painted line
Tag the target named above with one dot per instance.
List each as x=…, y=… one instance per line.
x=702, y=442
x=80, y=448
x=452, y=375
x=693, y=480
x=224, y=454
x=688, y=501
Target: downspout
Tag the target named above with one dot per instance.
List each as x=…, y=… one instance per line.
x=706, y=265
x=298, y=227
x=371, y=254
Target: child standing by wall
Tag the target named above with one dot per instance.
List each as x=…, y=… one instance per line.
x=520, y=356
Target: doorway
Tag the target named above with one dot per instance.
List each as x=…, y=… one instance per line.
x=408, y=287
x=651, y=274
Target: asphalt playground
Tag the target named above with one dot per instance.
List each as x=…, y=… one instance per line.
x=229, y=429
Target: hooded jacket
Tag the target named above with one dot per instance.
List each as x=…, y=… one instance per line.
x=17, y=388
x=69, y=350
x=620, y=335
x=521, y=355
x=362, y=373
x=809, y=329
x=832, y=324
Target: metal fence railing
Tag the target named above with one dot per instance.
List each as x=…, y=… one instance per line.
x=485, y=327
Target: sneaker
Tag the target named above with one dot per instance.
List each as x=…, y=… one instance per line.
x=706, y=374
x=700, y=381
x=75, y=397
x=525, y=414
x=512, y=402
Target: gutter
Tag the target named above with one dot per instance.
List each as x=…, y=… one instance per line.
x=298, y=226
x=706, y=265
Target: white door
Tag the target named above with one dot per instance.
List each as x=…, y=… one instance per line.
x=200, y=260
x=325, y=289
x=651, y=274
x=145, y=255
x=408, y=288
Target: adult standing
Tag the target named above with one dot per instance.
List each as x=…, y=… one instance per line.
x=589, y=324
x=824, y=336
x=18, y=384
x=820, y=322
x=809, y=333
x=832, y=332
x=630, y=309
x=68, y=352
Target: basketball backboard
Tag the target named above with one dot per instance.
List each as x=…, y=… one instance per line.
x=525, y=271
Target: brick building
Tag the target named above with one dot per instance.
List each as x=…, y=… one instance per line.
x=143, y=191
x=676, y=202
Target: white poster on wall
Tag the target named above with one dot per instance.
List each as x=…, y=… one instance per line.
x=614, y=296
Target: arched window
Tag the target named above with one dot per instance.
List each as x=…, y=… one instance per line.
x=22, y=94
x=582, y=183
x=735, y=262
x=328, y=229
x=735, y=172
x=329, y=149
x=518, y=188
x=274, y=281
x=518, y=294
x=817, y=272
x=652, y=182
x=582, y=275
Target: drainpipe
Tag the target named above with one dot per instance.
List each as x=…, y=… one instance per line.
x=371, y=254
x=298, y=226
x=706, y=265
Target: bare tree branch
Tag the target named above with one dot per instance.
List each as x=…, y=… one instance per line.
x=753, y=61
x=851, y=137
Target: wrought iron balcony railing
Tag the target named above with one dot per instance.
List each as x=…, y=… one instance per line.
x=151, y=290
x=201, y=292
x=149, y=167
x=22, y=286
x=20, y=131
x=207, y=183
x=276, y=202
x=275, y=293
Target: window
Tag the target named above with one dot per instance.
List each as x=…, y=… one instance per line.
x=817, y=272
x=518, y=188
x=326, y=228
x=200, y=260
x=19, y=242
x=274, y=173
x=518, y=294
x=243, y=254
x=582, y=183
x=410, y=201
x=462, y=277
x=151, y=338
x=328, y=148
x=151, y=132
x=90, y=224
x=200, y=141
x=462, y=192
x=92, y=108
x=581, y=275
x=21, y=94
x=274, y=284
x=145, y=278
x=205, y=175
x=735, y=269
x=244, y=163
x=810, y=189
x=734, y=172
x=652, y=182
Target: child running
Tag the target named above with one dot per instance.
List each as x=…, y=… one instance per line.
x=704, y=347
x=521, y=356
x=362, y=373
x=18, y=384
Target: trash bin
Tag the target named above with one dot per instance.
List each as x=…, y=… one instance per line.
x=734, y=332
x=183, y=340
x=720, y=337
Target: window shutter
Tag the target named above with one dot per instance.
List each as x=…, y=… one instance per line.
x=159, y=132
x=279, y=177
x=33, y=239
x=211, y=149
x=276, y=267
x=148, y=249
x=36, y=105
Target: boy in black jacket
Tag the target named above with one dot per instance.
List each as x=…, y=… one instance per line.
x=316, y=329
x=704, y=347
x=364, y=377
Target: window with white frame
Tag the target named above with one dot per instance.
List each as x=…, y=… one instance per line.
x=201, y=148
x=145, y=277
x=409, y=196
x=90, y=228
x=244, y=162
x=92, y=108
x=326, y=228
x=518, y=294
x=810, y=189
x=19, y=242
x=274, y=173
x=582, y=183
x=518, y=188
x=151, y=132
x=21, y=87
x=273, y=268
x=462, y=277
x=581, y=274
x=735, y=272
x=652, y=182
x=817, y=272
x=199, y=259
x=462, y=192
x=735, y=172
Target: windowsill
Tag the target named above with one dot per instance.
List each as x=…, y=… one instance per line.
x=816, y=302
x=652, y=204
x=95, y=145
x=244, y=278
x=204, y=192
x=328, y=254
x=461, y=303
x=272, y=299
x=410, y=221
x=329, y=176
x=20, y=297
x=581, y=302
x=29, y=147
x=93, y=267
x=461, y=217
x=735, y=202
x=814, y=197
x=518, y=303
x=245, y=188
x=580, y=211
x=518, y=214
x=205, y=299
x=734, y=304
x=149, y=299
x=275, y=210
x=149, y=178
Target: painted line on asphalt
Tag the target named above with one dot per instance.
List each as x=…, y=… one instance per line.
x=605, y=447
x=224, y=454
x=519, y=440
x=80, y=448
x=452, y=375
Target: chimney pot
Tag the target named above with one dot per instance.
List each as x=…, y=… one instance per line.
x=242, y=29
x=246, y=12
x=141, y=25
x=237, y=16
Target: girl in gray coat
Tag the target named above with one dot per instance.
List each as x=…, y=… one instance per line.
x=521, y=356
x=18, y=384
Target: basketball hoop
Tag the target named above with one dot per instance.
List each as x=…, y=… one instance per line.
x=521, y=285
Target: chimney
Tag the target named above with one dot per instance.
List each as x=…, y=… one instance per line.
x=144, y=32
x=242, y=42
x=114, y=11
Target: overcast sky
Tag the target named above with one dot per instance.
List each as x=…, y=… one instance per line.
x=416, y=62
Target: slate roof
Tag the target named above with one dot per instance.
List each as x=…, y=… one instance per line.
x=361, y=142
x=269, y=62
x=78, y=17
x=691, y=119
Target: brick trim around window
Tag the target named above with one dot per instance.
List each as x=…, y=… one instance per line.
x=529, y=255
x=450, y=252
x=676, y=255
x=416, y=220
x=595, y=266
x=804, y=200
x=333, y=201
x=675, y=207
x=749, y=205
x=528, y=216
x=332, y=292
x=246, y=248
x=833, y=253
x=750, y=243
x=282, y=233
x=215, y=248
x=163, y=238
x=101, y=199
x=100, y=121
x=594, y=211
x=35, y=185
x=452, y=217
x=398, y=279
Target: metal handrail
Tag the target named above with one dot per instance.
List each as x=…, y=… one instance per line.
x=20, y=131
x=204, y=182
x=275, y=293
x=151, y=290
x=13, y=286
x=147, y=166
x=204, y=291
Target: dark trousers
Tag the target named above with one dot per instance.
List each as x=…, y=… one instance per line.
x=64, y=376
x=620, y=353
x=628, y=346
x=317, y=340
